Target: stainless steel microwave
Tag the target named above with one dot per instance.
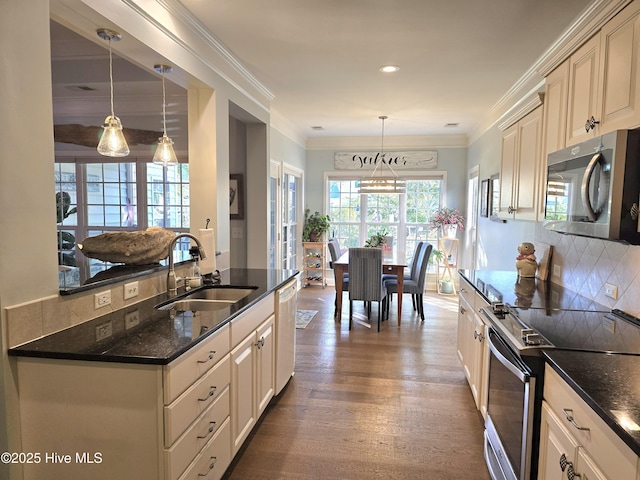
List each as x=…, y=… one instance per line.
x=593, y=188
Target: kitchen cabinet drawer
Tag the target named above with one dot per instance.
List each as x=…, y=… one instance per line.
x=214, y=459
x=187, y=447
x=606, y=449
x=248, y=322
x=188, y=368
x=186, y=408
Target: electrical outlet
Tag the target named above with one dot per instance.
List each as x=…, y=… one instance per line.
x=104, y=330
x=611, y=290
x=102, y=299
x=131, y=319
x=557, y=270
x=130, y=290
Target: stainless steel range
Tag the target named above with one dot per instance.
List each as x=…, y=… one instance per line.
x=516, y=338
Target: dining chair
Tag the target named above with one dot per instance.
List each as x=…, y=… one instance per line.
x=334, y=252
x=415, y=283
x=365, y=280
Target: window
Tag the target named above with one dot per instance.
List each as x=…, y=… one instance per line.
x=290, y=192
x=107, y=198
x=402, y=217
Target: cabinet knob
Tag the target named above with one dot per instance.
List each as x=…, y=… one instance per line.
x=590, y=124
x=462, y=310
x=511, y=209
x=571, y=473
x=478, y=336
x=260, y=343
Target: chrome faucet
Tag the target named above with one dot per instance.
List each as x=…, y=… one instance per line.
x=172, y=280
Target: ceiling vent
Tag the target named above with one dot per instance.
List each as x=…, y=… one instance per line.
x=80, y=88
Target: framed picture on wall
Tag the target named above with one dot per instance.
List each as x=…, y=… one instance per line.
x=484, y=198
x=236, y=197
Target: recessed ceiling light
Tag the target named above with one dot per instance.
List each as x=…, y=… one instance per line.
x=389, y=68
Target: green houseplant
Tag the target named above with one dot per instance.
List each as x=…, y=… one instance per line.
x=315, y=225
x=378, y=239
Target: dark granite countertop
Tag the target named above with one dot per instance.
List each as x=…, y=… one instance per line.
x=609, y=384
x=507, y=287
x=158, y=338
x=606, y=382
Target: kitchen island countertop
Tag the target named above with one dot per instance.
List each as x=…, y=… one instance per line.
x=160, y=336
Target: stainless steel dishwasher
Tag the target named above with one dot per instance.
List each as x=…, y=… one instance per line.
x=286, y=306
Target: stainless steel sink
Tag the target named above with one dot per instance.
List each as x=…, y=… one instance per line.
x=209, y=299
x=230, y=294
x=196, y=304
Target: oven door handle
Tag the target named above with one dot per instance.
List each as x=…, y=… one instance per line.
x=506, y=357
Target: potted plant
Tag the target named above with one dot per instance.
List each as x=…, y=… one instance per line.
x=448, y=221
x=378, y=239
x=315, y=225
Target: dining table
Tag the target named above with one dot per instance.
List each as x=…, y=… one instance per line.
x=392, y=263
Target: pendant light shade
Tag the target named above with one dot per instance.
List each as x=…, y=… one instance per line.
x=112, y=142
x=165, y=155
x=381, y=183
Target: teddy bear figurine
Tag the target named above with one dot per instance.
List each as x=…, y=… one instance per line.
x=526, y=264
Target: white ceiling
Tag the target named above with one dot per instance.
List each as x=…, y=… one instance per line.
x=320, y=60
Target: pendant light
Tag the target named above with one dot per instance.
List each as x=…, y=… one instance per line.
x=380, y=183
x=112, y=142
x=165, y=155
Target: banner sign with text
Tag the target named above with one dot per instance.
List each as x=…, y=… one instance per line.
x=422, y=160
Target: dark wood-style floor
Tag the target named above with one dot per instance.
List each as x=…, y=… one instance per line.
x=369, y=405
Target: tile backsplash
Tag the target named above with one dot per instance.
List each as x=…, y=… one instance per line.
x=30, y=321
x=587, y=264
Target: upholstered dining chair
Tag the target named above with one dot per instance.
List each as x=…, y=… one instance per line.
x=334, y=252
x=365, y=280
x=415, y=283
x=415, y=265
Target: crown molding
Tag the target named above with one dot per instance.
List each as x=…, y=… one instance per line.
x=522, y=108
x=586, y=25
x=183, y=14
x=286, y=128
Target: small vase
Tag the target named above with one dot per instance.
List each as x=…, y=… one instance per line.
x=449, y=231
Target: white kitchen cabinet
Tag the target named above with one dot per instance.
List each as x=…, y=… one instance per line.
x=584, y=64
x=619, y=92
x=252, y=368
x=556, y=443
x=571, y=428
x=145, y=421
x=180, y=421
x=522, y=169
x=604, y=79
x=252, y=380
x=471, y=345
x=555, y=109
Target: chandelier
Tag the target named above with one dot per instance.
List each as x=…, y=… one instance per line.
x=378, y=182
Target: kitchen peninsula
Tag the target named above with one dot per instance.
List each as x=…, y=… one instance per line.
x=152, y=394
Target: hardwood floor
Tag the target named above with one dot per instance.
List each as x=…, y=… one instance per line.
x=363, y=404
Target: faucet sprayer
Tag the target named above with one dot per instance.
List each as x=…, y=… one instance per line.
x=172, y=280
